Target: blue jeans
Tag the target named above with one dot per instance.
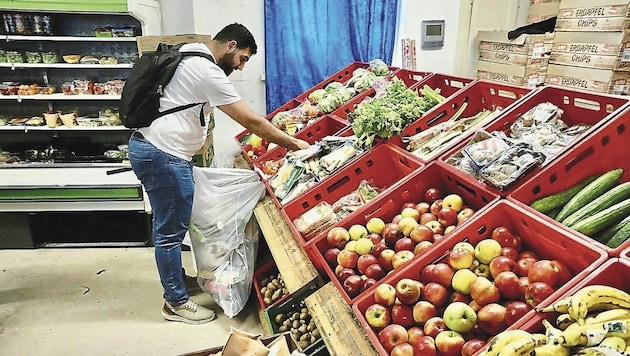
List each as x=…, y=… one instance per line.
x=168, y=181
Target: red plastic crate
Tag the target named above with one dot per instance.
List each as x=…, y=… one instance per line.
x=546, y=240
x=383, y=167
x=388, y=205
x=604, y=149
x=478, y=95
x=448, y=84
x=261, y=273
x=580, y=107
x=411, y=77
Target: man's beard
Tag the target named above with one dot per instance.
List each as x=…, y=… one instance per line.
x=227, y=63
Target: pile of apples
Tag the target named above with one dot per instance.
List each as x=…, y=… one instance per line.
x=456, y=304
x=363, y=254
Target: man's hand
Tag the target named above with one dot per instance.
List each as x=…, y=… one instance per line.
x=301, y=144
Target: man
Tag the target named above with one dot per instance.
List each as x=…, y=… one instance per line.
x=161, y=154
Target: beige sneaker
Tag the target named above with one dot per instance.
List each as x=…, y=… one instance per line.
x=189, y=312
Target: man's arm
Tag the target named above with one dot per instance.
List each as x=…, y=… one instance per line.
x=241, y=113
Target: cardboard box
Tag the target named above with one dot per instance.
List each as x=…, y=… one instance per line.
x=604, y=50
x=535, y=2
x=150, y=43
x=536, y=46
x=599, y=80
x=542, y=10
x=531, y=76
x=593, y=8
x=512, y=58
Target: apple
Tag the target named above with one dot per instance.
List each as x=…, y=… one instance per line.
x=564, y=272
x=447, y=216
x=415, y=334
x=357, y=231
x=460, y=317
x=500, y=264
x=363, y=246
x=404, y=243
x=386, y=258
x=375, y=238
x=421, y=247
x=472, y=346
x=463, y=280
x=408, y=204
x=343, y=273
x=460, y=258
x=353, y=285
x=331, y=256
x=503, y=235
x=449, y=229
x=536, y=292
x=439, y=273
x=378, y=248
x=396, y=219
x=426, y=217
x=523, y=265
x=435, y=293
x=406, y=225
x=510, y=252
x=458, y=297
x=422, y=207
x=515, y=310
x=351, y=246
x=423, y=311
x=474, y=305
x=436, y=206
x=404, y=349
x=385, y=294
x=337, y=237
x=480, y=269
x=408, y=290
x=425, y=346
x=401, y=257
x=523, y=283
x=437, y=237
x=551, y=272
x=529, y=253
x=464, y=245
x=402, y=314
x=486, y=250
x=453, y=201
x=421, y=233
x=375, y=271
x=464, y=215
x=436, y=227
x=491, y=318
x=391, y=233
x=364, y=261
x=377, y=316
x=432, y=194
x=410, y=212
x=449, y=343
x=375, y=225
x=508, y=284
x=347, y=258
x=434, y=326
x=483, y=291
x=392, y=335
x=367, y=283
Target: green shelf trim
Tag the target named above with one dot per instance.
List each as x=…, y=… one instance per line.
x=47, y=194
x=66, y=5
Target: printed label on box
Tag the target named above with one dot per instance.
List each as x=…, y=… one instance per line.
x=588, y=60
x=595, y=11
x=534, y=2
x=592, y=24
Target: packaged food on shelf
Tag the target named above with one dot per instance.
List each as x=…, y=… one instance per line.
x=71, y=58
x=33, y=57
x=49, y=57
x=3, y=56
x=114, y=87
x=14, y=57
x=315, y=220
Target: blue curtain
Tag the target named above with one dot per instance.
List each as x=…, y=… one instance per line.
x=306, y=41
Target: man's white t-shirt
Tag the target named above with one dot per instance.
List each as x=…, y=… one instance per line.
x=196, y=80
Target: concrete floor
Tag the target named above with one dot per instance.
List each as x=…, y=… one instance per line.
x=99, y=301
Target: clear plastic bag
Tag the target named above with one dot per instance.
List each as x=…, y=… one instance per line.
x=224, y=234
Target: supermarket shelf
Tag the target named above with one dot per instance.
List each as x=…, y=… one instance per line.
x=66, y=38
x=59, y=96
x=65, y=65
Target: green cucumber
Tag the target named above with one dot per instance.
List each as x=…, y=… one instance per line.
x=619, y=237
x=607, y=217
x=557, y=200
x=613, y=196
x=553, y=212
x=594, y=189
x=607, y=234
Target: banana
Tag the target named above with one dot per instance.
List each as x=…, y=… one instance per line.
x=560, y=306
x=614, y=342
x=583, y=300
x=593, y=334
x=500, y=340
x=608, y=315
x=523, y=346
x=564, y=320
x=601, y=351
x=551, y=333
x=549, y=350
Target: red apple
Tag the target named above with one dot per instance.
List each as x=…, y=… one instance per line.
x=375, y=238
x=337, y=237
x=421, y=233
x=436, y=206
x=523, y=283
x=415, y=334
x=423, y=311
x=434, y=326
x=353, y=285
x=396, y=219
x=440, y=273
x=426, y=217
x=391, y=233
x=506, y=238
x=347, y=259
x=500, y=264
x=472, y=346
x=408, y=290
x=385, y=294
x=523, y=265
x=460, y=258
x=474, y=305
x=510, y=252
x=404, y=349
x=386, y=258
x=536, y=292
x=483, y=291
x=422, y=207
x=425, y=346
x=402, y=314
x=367, y=283
x=529, y=253
x=491, y=318
x=458, y=297
x=392, y=335
x=435, y=293
x=421, y=247
x=378, y=248
x=408, y=205
x=544, y=271
x=437, y=238
x=564, y=272
x=406, y=225
x=447, y=216
x=436, y=227
x=364, y=261
x=375, y=271
x=402, y=257
x=515, y=310
x=449, y=343
x=508, y=284
x=331, y=256
x=404, y=243
x=377, y=316
x=343, y=273
x=464, y=215
x=432, y=194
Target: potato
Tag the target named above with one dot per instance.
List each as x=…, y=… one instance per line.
x=302, y=344
x=305, y=337
x=296, y=324
x=304, y=316
x=302, y=328
x=279, y=318
x=267, y=301
x=283, y=328
x=315, y=333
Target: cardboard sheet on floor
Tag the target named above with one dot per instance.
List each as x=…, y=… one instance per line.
x=241, y=343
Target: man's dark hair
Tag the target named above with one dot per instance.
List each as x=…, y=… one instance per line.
x=238, y=33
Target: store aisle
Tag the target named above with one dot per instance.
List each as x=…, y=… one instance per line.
x=98, y=301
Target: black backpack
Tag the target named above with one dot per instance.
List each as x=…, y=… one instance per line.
x=140, y=100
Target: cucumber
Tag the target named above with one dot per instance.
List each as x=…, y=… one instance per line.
x=556, y=201
x=607, y=234
x=553, y=212
x=613, y=196
x=619, y=237
x=594, y=189
x=607, y=217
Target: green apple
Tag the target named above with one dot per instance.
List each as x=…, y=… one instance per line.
x=486, y=250
x=351, y=246
x=460, y=317
x=357, y=231
x=462, y=280
x=464, y=245
x=363, y=246
x=453, y=201
x=375, y=225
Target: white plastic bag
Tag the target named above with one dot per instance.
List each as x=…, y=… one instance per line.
x=224, y=234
